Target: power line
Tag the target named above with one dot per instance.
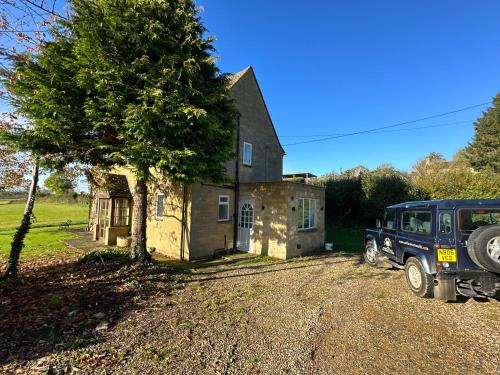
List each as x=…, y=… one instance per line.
x=388, y=126
x=375, y=132
x=424, y=127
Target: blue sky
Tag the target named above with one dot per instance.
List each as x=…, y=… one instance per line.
x=339, y=67
x=343, y=66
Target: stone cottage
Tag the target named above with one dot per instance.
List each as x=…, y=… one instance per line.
x=258, y=212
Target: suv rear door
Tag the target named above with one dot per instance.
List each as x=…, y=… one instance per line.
x=446, y=238
x=468, y=219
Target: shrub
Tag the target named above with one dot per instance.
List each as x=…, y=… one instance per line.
x=103, y=255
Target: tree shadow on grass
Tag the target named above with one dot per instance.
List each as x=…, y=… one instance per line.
x=59, y=306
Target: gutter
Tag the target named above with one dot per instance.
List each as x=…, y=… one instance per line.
x=183, y=220
x=236, y=185
x=91, y=203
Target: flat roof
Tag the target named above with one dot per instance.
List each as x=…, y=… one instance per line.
x=300, y=174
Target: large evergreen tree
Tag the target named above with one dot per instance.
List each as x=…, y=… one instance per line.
x=151, y=78
x=484, y=150
x=129, y=82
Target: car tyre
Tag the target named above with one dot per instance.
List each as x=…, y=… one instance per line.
x=419, y=282
x=470, y=244
x=370, y=254
x=483, y=247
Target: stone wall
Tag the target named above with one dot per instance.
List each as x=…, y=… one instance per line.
x=302, y=242
x=164, y=234
x=270, y=217
x=207, y=233
x=256, y=128
x=111, y=233
x=275, y=230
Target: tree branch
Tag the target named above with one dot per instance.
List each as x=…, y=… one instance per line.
x=41, y=7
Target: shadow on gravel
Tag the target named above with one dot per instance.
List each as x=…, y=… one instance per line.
x=274, y=267
x=69, y=305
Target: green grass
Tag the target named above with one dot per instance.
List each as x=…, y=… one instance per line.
x=255, y=259
x=45, y=213
x=41, y=240
x=38, y=243
x=345, y=238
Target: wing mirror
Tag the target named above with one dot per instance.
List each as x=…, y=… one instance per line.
x=378, y=223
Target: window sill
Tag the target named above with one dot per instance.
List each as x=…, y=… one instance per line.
x=222, y=221
x=248, y=165
x=308, y=230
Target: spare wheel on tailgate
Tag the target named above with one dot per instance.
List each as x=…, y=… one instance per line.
x=483, y=247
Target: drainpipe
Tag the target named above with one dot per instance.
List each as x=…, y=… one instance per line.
x=236, y=185
x=183, y=220
x=91, y=202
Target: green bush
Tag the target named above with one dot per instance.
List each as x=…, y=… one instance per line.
x=359, y=196
x=455, y=179
x=103, y=255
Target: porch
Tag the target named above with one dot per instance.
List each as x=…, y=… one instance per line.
x=111, y=209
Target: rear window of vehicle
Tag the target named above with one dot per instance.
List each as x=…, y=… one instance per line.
x=471, y=219
x=445, y=223
x=389, y=219
x=417, y=222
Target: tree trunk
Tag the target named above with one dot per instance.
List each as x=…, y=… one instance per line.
x=21, y=232
x=138, y=249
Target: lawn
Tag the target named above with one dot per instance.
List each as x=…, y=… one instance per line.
x=345, y=238
x=45, y=236
x=39, y=242
x=46, y=214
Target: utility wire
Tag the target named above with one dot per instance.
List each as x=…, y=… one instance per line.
x=388, y=126
x=375, y=132
x=423, y=127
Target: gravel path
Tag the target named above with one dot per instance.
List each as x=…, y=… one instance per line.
x=318, y=315
x=309, y=316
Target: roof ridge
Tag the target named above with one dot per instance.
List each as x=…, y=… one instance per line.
x=236, y=76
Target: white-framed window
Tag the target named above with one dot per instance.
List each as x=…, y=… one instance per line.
x=306, y=216
x=223, y=207
x=247, y=153
x=160, y=205
x=122, y=211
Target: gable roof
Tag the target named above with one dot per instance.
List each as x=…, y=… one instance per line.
x=236, y=76
x=113, y=185
x=233, y=80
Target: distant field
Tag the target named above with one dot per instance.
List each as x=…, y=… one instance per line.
x=46, y=214
x=45, y=237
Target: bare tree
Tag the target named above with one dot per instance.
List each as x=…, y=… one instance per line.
x=13, y=166
x=23, y=26
x=21, y=232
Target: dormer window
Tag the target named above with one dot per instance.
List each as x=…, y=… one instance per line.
x=247, y=153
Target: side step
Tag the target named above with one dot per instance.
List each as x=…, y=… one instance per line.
x=392, y=263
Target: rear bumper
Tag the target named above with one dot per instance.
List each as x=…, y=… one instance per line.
x=468, y=283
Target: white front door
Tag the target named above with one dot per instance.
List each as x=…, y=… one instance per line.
x=245, y=226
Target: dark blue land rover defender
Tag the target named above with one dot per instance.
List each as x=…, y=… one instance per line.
x=447, y=247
